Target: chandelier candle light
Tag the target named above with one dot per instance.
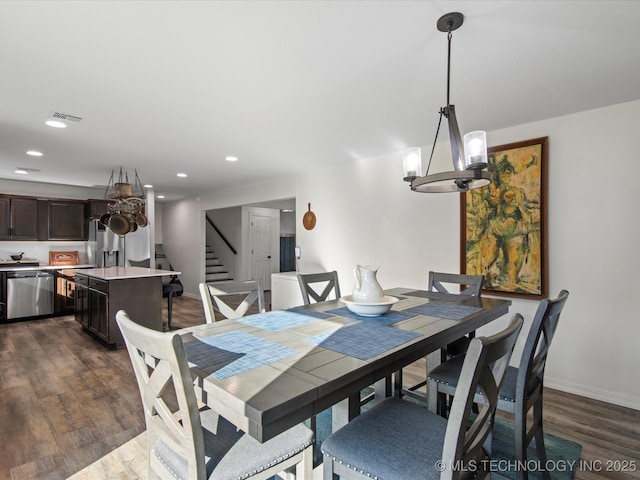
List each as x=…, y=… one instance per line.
x=469, y=158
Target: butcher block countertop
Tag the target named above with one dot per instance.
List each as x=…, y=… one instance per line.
x=120, y=273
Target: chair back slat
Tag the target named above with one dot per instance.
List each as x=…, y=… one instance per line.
x=223, y=297
x=467, y=284
x=310, y=282
x=483, y=369
x=536, y=348
x=159, y=362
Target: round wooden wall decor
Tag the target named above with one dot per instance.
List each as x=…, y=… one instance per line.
x=309, y=219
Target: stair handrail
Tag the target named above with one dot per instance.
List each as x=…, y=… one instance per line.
x=224, y=239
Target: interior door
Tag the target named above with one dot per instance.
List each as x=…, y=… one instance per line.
x=261, y=249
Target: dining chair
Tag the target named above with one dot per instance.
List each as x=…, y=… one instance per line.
x=310, y=283
x=523, y=387
x=402, y=440
x=226, y=298
x=460, y=284
x=470, y=285
x=192, y=444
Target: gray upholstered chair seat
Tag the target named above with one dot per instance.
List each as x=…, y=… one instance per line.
x=404, y=441
x=230, y=454
x=448, y=373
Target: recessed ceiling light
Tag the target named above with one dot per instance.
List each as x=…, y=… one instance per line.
x=159, y=196
x=34, y=153
x=181, y=174
x=231, y=158
x=148, y=185
x=287, y=210
x=56, y=124
x=21, y=171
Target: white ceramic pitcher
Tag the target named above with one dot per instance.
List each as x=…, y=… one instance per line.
x=367, y=288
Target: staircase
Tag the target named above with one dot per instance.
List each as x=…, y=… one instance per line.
x=214, y=270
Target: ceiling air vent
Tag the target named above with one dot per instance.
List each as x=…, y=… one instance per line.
x=64, y=117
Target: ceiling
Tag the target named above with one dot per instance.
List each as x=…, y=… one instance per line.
x=166, y=87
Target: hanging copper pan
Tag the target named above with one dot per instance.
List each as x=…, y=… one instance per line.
x=142, y=220
x=119, y=224
x=309, y=219
x=104, y=219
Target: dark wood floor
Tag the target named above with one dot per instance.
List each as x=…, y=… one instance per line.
x=66, y=401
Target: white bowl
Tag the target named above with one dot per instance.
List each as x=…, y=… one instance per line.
x=369, y=309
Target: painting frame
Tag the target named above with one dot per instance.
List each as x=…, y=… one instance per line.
x=503, y=226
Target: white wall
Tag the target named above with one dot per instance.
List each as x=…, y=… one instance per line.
x=366, y=214
x=288, y=223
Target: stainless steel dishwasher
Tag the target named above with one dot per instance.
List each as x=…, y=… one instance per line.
x=29, y=294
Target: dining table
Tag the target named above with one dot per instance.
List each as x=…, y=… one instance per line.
x=267, y=372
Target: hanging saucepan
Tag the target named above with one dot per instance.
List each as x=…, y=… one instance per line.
x=104, y=219
x=119, y=224
x=142, y=220
x=309, y=219
x=134, y=226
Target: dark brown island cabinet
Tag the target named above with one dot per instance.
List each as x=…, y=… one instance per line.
x=101, y=292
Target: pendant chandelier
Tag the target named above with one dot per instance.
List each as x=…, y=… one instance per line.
x=469, y=158
x=126, y=213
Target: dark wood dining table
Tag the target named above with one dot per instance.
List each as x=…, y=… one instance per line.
x=267, y=372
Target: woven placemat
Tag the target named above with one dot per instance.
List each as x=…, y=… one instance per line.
x=452, y=311
x=363, y=340
x=253, y=352
x=388, y=318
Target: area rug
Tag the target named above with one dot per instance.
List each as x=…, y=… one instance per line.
x=562, y=455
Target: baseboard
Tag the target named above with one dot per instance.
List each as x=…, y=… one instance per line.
x=191, y=295
x=594, y=393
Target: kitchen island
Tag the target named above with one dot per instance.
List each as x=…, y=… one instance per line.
x=101, y=292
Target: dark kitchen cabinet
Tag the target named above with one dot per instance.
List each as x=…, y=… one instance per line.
x=92, y=306
x=97, y=208
x=18, y=218
x=30, y=218
x=3, y=296
x=24, y=219
x=82, y=300
x=5, y=218
x=98, y=300
x=98, y=311
x=66, y=220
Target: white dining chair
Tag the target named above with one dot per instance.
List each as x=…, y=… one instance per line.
x=198, y=444
x=231, y=299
